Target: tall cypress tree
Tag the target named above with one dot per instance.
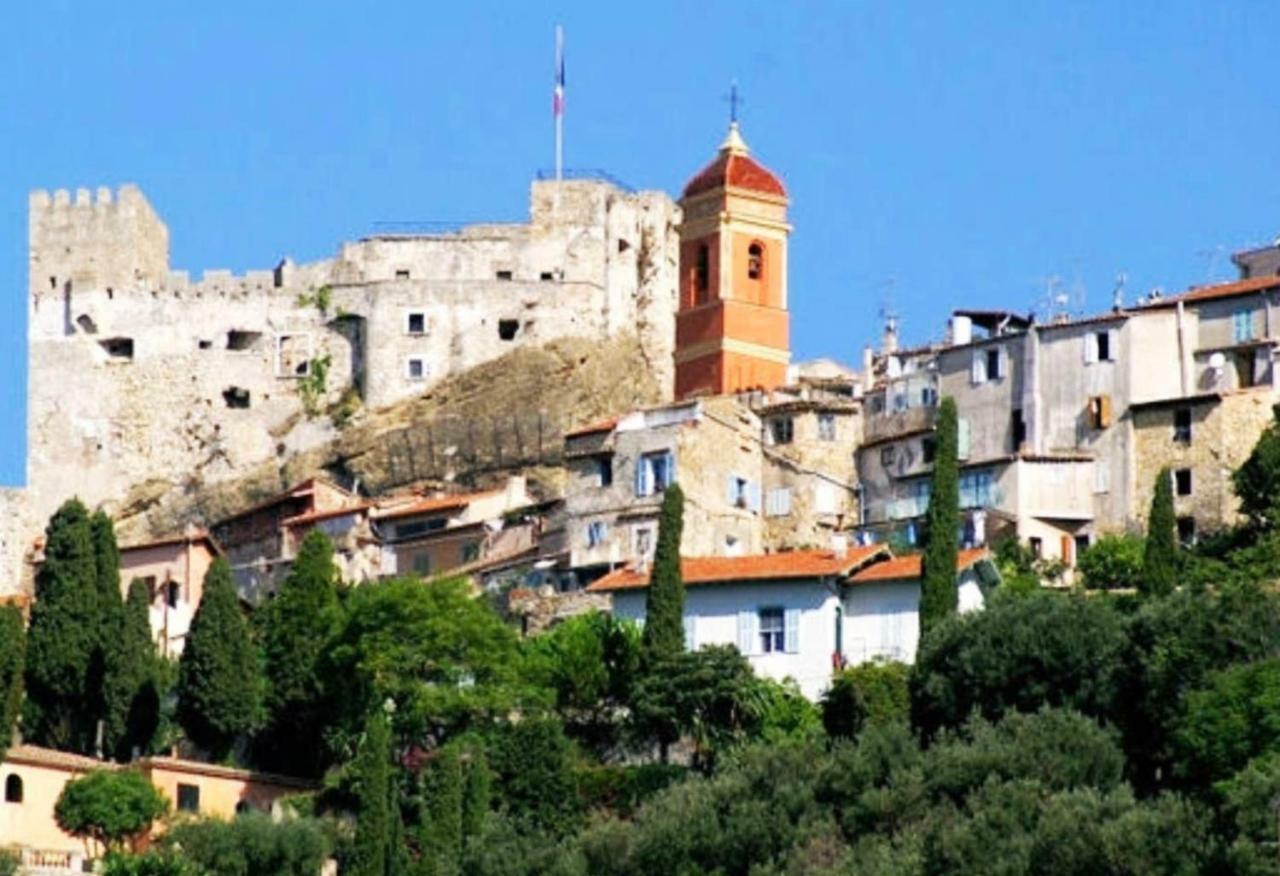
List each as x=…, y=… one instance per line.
x=938, y=595
x=219, y=679
x=60, y=710
x=664, y=601
x=132, y=695
x=371, y=853
x=296, y=627
x=110, y=622
x=1160, y=561
x=13, y=652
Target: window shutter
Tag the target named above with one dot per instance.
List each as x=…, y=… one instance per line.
x=1090, y=348
x=978, y=367
x=753, y=497
x=791, y=643
x=962, y=438
x=747, y=638
x=690, y=628
x=1002, y=362
x=1113, y=339
x=670, y=458
x=639, y=477
x=1104, y=411
x=730, y=489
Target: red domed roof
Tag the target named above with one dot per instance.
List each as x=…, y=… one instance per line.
x=735, y=167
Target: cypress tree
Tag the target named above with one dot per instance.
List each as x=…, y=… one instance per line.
x=63, y=638
x=371, y=852
x=938, y=595
x=110, y=622
x=441, y=835
x=132, y=696
x=1160, y=560
x=664, y=601
x=219, y=680
x=13, y=652
x=296, y=628
x=476, y=795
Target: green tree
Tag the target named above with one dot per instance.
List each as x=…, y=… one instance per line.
x=1113, y=562
x=1234, y=718
x=440, y=833
x=110, y=622
x=296, y=628
x=664, y=600
x=63, y=637
x=109, y=807
x=251, y=844
x=375, y=810
x=1019, y=654
x=477, y=794
x=1160, y=560
x=532, y=763
x=867, y=693
x=938, y=594
x=1257, y=480
x=13, y=654
x=132, y=692
x=219, y=677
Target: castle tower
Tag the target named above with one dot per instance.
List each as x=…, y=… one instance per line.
x=732, y=327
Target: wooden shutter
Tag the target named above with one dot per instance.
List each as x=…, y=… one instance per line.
x=791, y=640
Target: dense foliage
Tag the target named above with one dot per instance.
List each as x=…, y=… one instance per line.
x=132, y=691
x=938, y=595
x=109, y=807
x=13, y=653
x=1113, y=562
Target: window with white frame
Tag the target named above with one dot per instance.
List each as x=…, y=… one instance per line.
x=988, y=364
x=826, y=427
x=1242, y=326
x=415, y=368
x=597, y=532
x=642, y=540
x=415, y=322
x=654, y=472
x=1100, y=346
x=773, y=631
x=977, y=489
x=781, y=430
x=779, y=504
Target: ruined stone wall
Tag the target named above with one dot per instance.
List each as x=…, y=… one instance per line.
x=145, y=385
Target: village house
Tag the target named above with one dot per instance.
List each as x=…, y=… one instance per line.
x=802, y=614
x=173, y=571
x=33, y=779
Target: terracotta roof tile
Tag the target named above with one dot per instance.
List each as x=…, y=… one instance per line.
x=49, y=757
x=593, y=428
x=315, y=516
x=757, y=567
x=909, y=567
x=731, y=169
x=1218, y=290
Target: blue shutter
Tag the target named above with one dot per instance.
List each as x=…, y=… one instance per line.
x=639, y=476
x=747, y=637
x=690, y=642
x=753, y=497
x=670, y=459
x=791, y=644
x=731, y=489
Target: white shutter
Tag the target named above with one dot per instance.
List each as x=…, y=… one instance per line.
x=962, y=438
x=791, y=643
x=1113, y=345
x=1090, y=348
x=753, y=498
x=690, y=631
x=747, y=636
x=1002, y=362
x=978, y=367
x=779, y=504
x=731, y=489
x=1101, y=476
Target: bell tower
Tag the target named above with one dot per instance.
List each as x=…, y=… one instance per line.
x=732, y=326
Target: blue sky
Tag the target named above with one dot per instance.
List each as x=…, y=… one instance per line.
x=937, y=155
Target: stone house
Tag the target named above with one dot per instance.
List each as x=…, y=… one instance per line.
x=802, y=614
x=173, y=570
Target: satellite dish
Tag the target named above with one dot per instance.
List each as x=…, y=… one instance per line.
x=1217, y=361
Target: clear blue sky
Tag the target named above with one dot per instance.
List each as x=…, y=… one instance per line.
x=964, y=151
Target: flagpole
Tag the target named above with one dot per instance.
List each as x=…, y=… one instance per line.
x=559, y=106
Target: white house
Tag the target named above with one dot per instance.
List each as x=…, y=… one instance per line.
x=800, y=614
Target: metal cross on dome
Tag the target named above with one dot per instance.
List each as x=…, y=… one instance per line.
x=735, y=100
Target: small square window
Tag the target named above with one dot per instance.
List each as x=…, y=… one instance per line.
x=782, y=430
x=1037, y=546
x=188, y=798
x=416, y=323
x=504, y=275
x=1182, y=481
x=415, y=368
x=596, y=533
x=604, y=470
x=507, y=329
x=826, y=427
x=402, y=274
x=471, y=552
x=1186, y=530
x=642, y=541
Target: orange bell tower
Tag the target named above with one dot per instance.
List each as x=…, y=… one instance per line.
x=732, y=326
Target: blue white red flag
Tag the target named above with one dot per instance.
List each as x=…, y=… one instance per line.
x=557, y=97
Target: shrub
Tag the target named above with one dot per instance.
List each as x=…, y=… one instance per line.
x=870, y=692
x=109, y=807
x=1113, y=562
x=250, y=845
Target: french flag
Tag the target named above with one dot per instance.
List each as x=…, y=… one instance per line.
x=557, y=96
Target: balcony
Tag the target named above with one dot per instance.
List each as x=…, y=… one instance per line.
x=892, y=424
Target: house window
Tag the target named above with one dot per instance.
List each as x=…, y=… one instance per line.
x=1103, y=340
x=604, y=471
x=773, y=630
x=702, y=272
x=782, y=430
x=1082, y=544
x=507, y=329
x=402, y=274
x=928, y=449
x=421, y=564
x=642, y=541
x=1019, y=430
x=188, y=798
x=929, y=396
x=993, y=364
x=1182, y=425
x=1037, y=546
x=118, y=348
x=293, y=355
x=173, y=593
x=826, y=427
x=1242, y=326
x=13, y=788
x=976, y=489
x=1186, y=530
x=238, y=339
x=471, y=551
x=504, y=275
x=655, y=472
x=416, y=323
x=597, y=531
x=415, y=368
x=779, y=504
x=1100, y=411
x=755, y=261
x=1182, y=481
x=738, y=491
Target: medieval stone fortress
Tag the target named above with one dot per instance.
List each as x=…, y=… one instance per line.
x=510, y=400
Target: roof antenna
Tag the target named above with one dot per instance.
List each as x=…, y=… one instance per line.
x=1117, y=292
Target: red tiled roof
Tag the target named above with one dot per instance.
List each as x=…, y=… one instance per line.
x=34, y=755
x=593, y=428
x=758, y=567
x=1218, y=290
x=315, y=516
x=734, y=170
x=909, y=567
x=433, y=504
x=177, y=538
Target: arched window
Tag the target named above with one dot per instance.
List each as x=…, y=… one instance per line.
x=13, y=788
x=702, y=272
x=243, y=806
x=755, y=261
